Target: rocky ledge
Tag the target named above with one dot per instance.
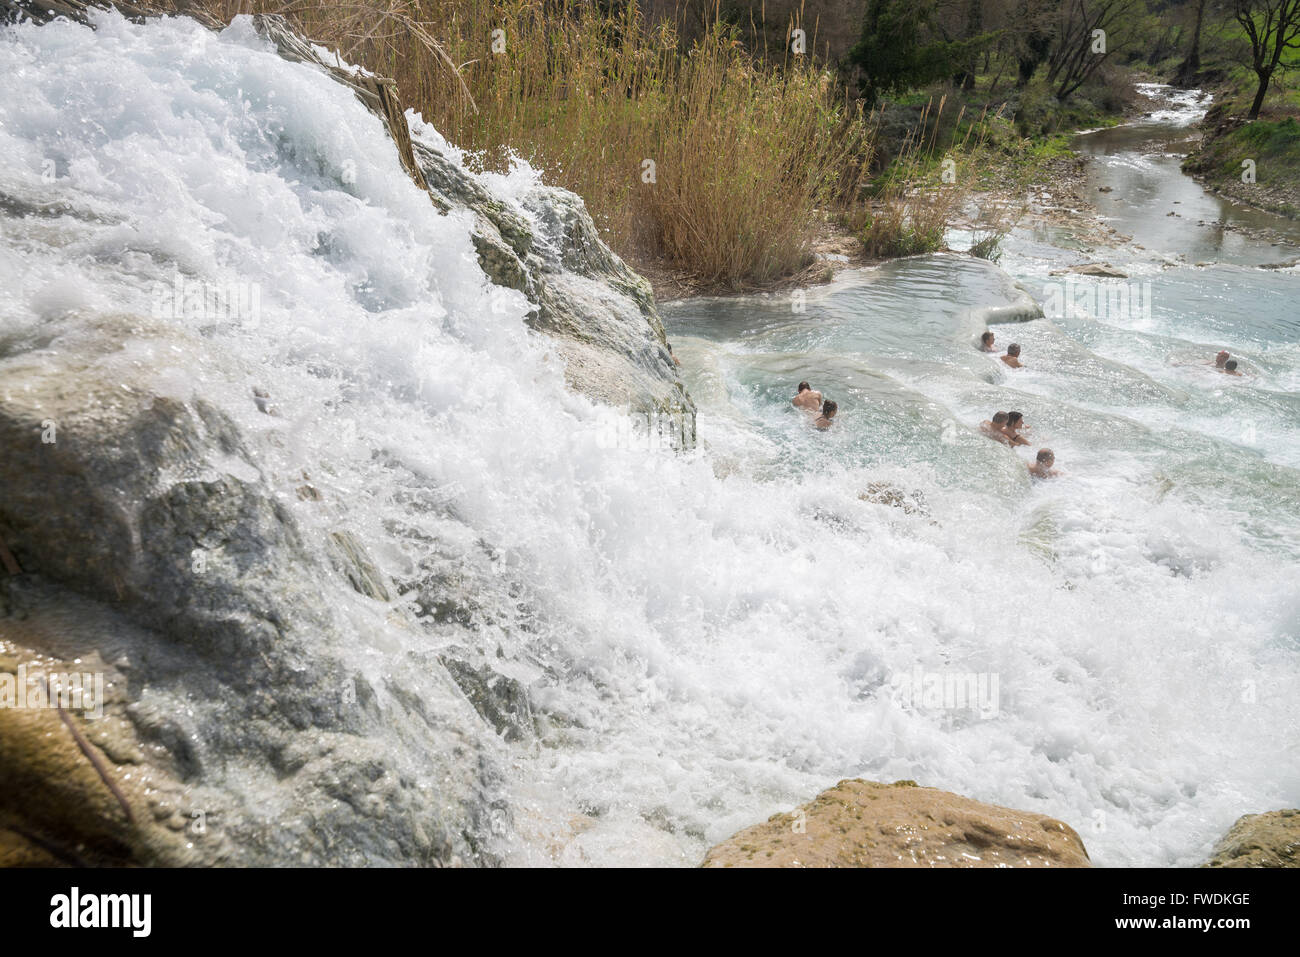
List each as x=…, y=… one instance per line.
x=869, y=824
x=147, y=548
x=249, y=706
x=600, y=313
x=1260, y=840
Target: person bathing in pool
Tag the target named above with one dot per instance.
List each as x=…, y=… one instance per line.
x=808, y=398
x=1012, y=358
x=986, y=341
x=995, y=429
x=1221, y=358
x=829, y=409
x=1015, y=422
x=1042, y=467
x=1230, y=367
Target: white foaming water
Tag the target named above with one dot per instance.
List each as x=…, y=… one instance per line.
x=1183, y=107
x=712, y=636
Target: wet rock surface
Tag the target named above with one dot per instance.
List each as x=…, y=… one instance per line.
x=1260, y=840
x=868, y=824
x=154, y=551
x=260, y=708
x=600, y=313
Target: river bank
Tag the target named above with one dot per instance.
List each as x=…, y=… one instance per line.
x=1056, y=195
x=1021, y=183
x=1254, y=163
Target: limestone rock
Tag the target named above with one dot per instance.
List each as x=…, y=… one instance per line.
x=500, y=698
x=599, y=312
x=149, y=537
x=887, y=493
x=868, y=824
x=259, y=673
x=1099, y=270
x=378, y=93
x=1260, y=840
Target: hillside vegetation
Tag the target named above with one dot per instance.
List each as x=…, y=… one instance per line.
x=717, y=143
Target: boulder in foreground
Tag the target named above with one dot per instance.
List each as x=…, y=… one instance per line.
x=868, y=824
x=1260, y=840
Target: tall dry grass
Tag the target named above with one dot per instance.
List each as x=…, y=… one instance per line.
x=748, y=151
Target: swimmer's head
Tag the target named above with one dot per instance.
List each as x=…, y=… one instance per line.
x=1230, y=365
x=803, y=387
x=1046, y=457
x=1014, y=419
x=1000, y=418
x=1221, y=358
x=1013, y=349
x=829, y=408
x=987, y=338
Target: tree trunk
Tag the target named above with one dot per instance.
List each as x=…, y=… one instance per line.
x=974, y=24
x=1191, y=64
x=1002, y=65
x=1259, y=95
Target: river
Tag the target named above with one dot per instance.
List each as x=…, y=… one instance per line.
x=1141, y=610
x=699, y=639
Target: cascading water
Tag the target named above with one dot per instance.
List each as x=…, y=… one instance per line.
x=705, y=637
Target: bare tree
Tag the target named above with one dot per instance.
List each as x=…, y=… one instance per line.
x=1082, y=41
x=1273, y=27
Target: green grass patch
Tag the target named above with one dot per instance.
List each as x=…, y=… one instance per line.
x=1274, y=145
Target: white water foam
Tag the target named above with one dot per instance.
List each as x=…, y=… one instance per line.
x=1183, y=107
x=711, y=641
